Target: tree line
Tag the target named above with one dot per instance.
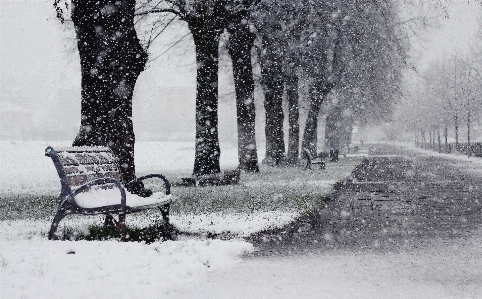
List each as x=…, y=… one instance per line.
x=350, y=54
x=447, y=101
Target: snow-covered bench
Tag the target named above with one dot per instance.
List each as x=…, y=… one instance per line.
x=91, y=185
x=309, y=159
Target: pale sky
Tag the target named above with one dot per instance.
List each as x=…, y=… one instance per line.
x=457, y=31
x=35, y=62
x=37, y=66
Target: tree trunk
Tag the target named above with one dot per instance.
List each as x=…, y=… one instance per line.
x=273, y=81
x=334, y=129
x=422, y=132
x=468, y=128
x=206, y=40
x=439, y=141
x=446, y=138
x=294, y=120
x=456, y=123
x=240, y=44
x=111, y=60
x=347, y=132
x=310, y=134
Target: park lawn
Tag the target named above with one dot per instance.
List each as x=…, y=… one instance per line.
x=269, y=199
x=33, y=267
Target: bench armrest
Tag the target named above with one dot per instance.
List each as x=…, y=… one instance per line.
x=101, y=181
x=155, y=175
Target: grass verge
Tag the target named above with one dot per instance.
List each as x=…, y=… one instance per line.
x=274, y=189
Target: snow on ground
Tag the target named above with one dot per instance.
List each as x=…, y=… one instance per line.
x=236, y=224
x=28, y=172
x=33, y=267
x=38, y=268
x=434, y=268
x=441, y=270
x=469, y=164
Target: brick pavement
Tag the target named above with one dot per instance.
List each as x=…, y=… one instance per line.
x=394, y=200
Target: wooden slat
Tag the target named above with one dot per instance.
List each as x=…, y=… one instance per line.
x=67, y=160
x=86, y=159
x=82, y=165
x=77, y=180
x=82, y=149
x=71, y=170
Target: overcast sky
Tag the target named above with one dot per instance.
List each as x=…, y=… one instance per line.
x=456, y=33
x=35, y=60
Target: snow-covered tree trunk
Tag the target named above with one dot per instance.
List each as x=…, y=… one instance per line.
x=111, y=60
x=206, y=40
x=240, y=44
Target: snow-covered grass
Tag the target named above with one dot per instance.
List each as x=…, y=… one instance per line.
x=269, y=199
x=33, y=267
x=466, y=164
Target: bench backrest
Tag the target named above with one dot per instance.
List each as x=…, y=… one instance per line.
x=78, y=165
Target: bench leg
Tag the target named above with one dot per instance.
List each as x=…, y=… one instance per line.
x=121, y=226
x=109, y=220
x=55, y=223
x=165, y=212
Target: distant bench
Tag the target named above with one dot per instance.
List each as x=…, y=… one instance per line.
x=91, y=185
x=310, y=160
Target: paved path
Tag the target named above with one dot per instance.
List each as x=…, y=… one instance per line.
x=409, y=226
x=399, y=198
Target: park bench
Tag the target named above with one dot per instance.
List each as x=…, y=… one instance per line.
x=310, y=160
x=91, y=185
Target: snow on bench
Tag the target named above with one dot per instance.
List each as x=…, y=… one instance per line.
x=101, y=198
x=309, y=159
x=91, y=185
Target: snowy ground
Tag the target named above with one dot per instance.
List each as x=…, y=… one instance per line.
x=425, y=267
x=33, y=267
x=441, y=270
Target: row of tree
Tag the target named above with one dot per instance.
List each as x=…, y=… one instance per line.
x=447, y=99
x=352, y=51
